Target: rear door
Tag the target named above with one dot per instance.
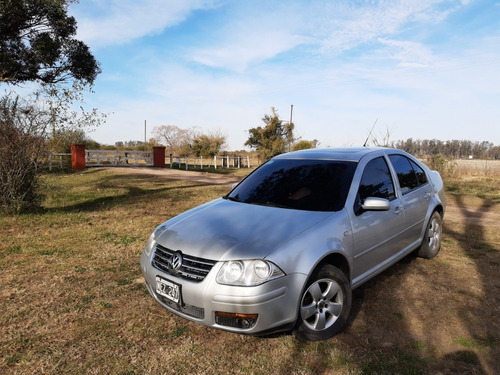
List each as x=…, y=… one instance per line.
x=415, y=195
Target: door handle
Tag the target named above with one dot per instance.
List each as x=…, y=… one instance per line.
x=397, y=210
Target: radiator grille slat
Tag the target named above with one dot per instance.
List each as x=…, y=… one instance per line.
x=192, y=268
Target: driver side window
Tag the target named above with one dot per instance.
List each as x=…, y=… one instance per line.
x=376, y=181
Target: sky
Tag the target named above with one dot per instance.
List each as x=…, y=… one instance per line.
x=421, y=69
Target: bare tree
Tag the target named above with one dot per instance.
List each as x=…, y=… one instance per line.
x=384, y=139
x=172, y=137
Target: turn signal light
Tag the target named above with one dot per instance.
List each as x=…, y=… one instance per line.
x=236, y=320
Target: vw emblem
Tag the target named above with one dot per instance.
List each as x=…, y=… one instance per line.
x=175, y=262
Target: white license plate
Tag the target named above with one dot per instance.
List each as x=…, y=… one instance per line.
x=168, y=289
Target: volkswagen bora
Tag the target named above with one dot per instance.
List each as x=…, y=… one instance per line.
x=285, y=247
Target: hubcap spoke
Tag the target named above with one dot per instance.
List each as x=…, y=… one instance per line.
x=320, y=322
x=332, y=291
x=308, y=311
x=334, y=308
x=315, y=292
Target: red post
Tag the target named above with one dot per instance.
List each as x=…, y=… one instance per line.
x=159, y=156
x=78, y=157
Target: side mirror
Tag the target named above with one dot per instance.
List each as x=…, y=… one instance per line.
x=376, y=204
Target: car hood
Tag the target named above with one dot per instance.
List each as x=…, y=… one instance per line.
x=227, y=230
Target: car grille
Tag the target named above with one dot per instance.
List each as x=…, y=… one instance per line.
x=192, y=268
x=194, y=311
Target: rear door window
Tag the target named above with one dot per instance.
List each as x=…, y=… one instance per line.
x=410, y=175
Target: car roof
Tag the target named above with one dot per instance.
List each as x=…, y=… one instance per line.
x=348, y=153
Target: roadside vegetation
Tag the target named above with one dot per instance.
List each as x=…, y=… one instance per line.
x=73, y=299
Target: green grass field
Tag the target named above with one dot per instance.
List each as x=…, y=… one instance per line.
x=72, y=298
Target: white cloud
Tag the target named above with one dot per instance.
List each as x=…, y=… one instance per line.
x=248, y=47
x=119, y=21
x=346, y=27
x=409, y=54
x=264, y=31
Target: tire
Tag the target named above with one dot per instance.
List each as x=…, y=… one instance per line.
x=325, y=304
x=431, y=243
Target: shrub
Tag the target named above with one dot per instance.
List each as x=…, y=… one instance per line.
x=21, y=148
x=444, y=166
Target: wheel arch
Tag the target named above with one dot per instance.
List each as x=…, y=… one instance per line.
x=337, y=260
x=439, y=209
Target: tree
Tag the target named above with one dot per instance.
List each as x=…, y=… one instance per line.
x=62, y=140
x=208, y=145
x=304, y=145
x=172, y=137
x=37, y=44
x=273, y=139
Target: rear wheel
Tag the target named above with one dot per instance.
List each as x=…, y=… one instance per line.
x=431, y=243
x=325, y=304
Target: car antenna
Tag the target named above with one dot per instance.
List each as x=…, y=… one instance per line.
x=369, y=134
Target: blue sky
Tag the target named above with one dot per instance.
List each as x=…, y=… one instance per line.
x=421, y=69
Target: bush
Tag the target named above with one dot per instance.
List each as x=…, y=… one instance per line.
x=21, y=148
x=444, y=166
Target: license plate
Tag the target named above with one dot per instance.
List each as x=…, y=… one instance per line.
x=168, y=289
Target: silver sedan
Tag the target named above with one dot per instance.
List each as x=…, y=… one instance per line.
x=284, y=248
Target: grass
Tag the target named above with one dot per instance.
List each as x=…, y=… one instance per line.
x=72, y=299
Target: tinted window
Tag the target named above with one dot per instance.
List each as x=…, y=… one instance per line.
x=421, y=176
x=313, y=185
x=410, y=175
x=376, y=181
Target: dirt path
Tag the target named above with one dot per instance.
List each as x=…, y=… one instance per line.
x=176, y=174
x=453, y=211
x=480, y=217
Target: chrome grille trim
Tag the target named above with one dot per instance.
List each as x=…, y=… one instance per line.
x=192, y=268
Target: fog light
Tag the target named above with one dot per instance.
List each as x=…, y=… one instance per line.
x=236, y=320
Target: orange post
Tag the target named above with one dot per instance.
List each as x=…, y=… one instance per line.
x=159, y=156
x=78, y=157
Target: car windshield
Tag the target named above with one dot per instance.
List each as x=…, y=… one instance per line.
x=311, y=185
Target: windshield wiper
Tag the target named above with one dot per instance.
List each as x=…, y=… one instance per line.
x=232, y=199
x=270, y=204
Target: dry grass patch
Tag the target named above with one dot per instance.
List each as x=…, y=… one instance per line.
x=73, y=301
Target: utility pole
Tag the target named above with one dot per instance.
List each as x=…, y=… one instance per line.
x=290, y=139
x=144, y=131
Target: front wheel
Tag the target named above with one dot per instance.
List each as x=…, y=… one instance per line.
x=431, y=243
x=325, y=304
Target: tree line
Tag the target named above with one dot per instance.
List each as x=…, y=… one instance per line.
x=453, y=149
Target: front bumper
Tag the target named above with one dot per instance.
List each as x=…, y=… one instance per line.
x=273, y=304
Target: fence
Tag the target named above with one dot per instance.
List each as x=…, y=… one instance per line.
x=218, y=161
x=63, y=160
x=95, y=158
x=80, y=158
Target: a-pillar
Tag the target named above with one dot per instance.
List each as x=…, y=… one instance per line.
x=159, y=156
x=78, y=157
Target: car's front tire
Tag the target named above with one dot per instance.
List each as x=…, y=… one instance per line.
x=325, y=304
x=431, y=243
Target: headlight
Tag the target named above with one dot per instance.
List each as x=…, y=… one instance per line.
x=248, y=272
x=150, y=245
x=152, y=239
